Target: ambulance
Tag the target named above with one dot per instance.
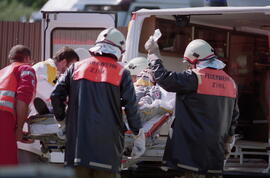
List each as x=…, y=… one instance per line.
x=240, y=37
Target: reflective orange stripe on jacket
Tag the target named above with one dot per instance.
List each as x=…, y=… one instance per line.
x=215, y=82
x=8, y=86
x=99, y=69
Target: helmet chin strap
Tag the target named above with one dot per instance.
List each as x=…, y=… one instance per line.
x=190, y=61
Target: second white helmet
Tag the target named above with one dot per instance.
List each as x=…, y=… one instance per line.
x=136, y=65
x=198, y=50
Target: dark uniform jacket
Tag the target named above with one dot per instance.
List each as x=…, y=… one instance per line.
x=97, y=88
x=206, y=114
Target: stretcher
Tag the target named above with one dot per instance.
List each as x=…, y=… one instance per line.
x=46, y=129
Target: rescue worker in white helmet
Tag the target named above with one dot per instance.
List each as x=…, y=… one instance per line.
x=98, y=88
x=141, y=76
x=136, y=66
x=206, y=110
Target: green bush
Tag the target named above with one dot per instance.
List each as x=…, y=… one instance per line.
x=12, y=10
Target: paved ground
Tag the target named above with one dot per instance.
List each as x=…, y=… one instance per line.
x=150, y=170
x=156, y=174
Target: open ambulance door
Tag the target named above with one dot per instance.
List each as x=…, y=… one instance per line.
x=77, y=30
x=240, y=37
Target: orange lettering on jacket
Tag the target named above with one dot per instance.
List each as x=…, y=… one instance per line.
x=215, y=82
x=99, y=69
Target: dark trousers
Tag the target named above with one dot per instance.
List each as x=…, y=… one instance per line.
x=195, y=175
x=26, y=157
x=83, y=172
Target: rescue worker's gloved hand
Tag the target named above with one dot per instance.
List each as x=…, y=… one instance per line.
x=228, y=145
x=152, y=48
x=62, y=130
x=61, y=133
x=62, y=123
x=139, y=145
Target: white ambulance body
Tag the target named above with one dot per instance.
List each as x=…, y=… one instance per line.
x=240, y=36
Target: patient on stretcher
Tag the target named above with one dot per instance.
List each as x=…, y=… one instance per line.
x=155, y=104
x=152, y=99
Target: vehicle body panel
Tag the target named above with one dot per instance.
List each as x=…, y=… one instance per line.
x=75, y=21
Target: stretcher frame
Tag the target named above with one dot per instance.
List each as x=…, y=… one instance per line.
x=155, y=144
x=244, y=148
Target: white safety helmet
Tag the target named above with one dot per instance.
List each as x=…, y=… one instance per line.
x=113, y=37
x=198, y=50
x=136, y=65
x=109, y=41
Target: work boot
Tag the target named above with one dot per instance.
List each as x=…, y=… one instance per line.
x=41, y=106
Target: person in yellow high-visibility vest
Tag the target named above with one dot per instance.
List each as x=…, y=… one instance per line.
x=47, y=73
x=49, y=70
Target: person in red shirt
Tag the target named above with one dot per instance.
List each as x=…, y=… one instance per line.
x=17, y=87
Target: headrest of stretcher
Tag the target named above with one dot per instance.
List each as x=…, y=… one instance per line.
x=155, y=126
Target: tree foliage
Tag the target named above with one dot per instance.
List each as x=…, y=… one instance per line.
x=13, y=10
x=36, y=4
